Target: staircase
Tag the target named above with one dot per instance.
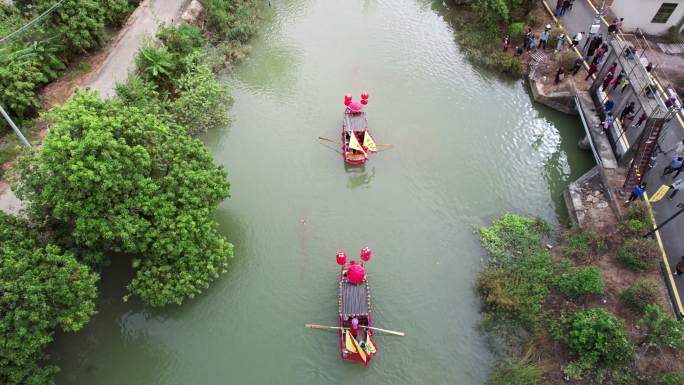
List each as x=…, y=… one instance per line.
x=647, y=145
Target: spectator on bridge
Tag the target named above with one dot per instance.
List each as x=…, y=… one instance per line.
x=544, y=38
x=675, y=164
x=627, y=120
x=577, y=39
x=637, y=191
x=560, y=74
x=606, y=80
x=593, y=44
x=608, y=105
x=649, y=67
x=679, y=269
x=642, y=118
x=623, y=84
x=577, y=66
x=564, y=7
x=561, y=42
x=627, y=110
x=608, y=122
x=679, y=148
x=676, y=186
x=592, y=70
x=618, y=79
x=612, y=68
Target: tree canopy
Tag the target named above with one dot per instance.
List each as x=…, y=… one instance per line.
x=113, y=178
x=41, y=288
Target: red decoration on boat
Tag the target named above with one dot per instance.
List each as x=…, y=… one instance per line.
x=356, y=273
x=341, y=258
x=364, y=95
x=356, y=106
x=366, y=253
x=364, y=101
x=347, y=99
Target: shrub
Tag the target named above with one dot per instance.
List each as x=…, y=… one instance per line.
x=640, y=294
x=584, y=245
x=116, y=11
x=517, y=33
x=662, y=330
x=513, y=235
x=673, y=378
x=156, y=65
x=566, y=59
x=598, y=338
x=581, y=281
x=231, y=19
x=136, y=92
x=535, y=17
x=181, y=39
x=507, y=64
x=554, y=34
x=510, y=372
x=202, y=101
x=639, y=254
x=636, y=220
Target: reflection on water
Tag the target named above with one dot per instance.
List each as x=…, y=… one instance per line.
x=359, y=176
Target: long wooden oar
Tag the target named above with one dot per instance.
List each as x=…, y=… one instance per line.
x=314, y=326
x=328, y=140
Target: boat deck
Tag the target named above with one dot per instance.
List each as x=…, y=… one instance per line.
x=356, y=121
x=354, y=299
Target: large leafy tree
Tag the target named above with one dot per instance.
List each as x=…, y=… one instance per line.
x=116, y=179
x=41, y=288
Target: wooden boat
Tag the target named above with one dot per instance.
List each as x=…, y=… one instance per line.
x=355, y=302
x=357, y=141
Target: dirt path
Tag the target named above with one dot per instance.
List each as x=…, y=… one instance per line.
x=108, y=67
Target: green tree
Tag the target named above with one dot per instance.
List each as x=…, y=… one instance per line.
x=112, y=178
x=598, y=338
x=41, y=288
x=661, y=330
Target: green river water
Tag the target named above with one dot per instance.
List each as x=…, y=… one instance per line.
x=469, y=145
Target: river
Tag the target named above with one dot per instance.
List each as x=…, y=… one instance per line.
x=468, y=146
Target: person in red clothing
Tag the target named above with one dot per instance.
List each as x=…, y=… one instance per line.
x=592, y=70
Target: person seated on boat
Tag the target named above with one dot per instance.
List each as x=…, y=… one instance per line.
x=360, y=136
x=354, y=327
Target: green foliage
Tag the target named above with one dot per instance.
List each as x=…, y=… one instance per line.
x=639, y=254
x=519, y=274
x=584, y=245
x=79, y=22
x=640, y=294
x=156, y=65
x=231, y=19
x=116, y=11
x=513, y=235
x=181, y=39
x=493, y=13
x=535, y=18
x=506, y=63
x=598, y=338
x=554, y=34
x=636, y=220
x=581, y=281
x=673, y=378
x=566, y=59
x=662, y=330
x=508, y=372
x=517, y=33
x=43, y=288
x=117, y=179
x=202, y=100
x=141, y=94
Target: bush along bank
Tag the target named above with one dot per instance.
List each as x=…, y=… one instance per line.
x=561, y=321
x=481, y=26
x=118, y=178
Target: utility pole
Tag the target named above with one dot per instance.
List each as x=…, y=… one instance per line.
x=14, y=127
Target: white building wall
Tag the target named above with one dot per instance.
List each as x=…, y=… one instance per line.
x=639, y=13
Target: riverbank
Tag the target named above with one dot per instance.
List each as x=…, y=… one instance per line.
x=587, y=309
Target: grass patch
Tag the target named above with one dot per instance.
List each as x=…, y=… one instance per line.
x=80, y=69
x=639, y=254
x=584, y=245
